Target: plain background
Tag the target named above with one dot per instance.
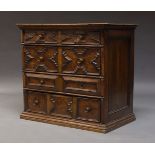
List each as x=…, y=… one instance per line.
x=13, y=129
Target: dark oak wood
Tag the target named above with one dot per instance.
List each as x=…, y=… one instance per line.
x=78, y=75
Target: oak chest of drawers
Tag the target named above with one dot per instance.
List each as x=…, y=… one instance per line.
x=78, y=75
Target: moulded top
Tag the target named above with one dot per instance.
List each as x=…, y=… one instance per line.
x=77, y=25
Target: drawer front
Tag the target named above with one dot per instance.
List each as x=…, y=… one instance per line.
x=80, y=37
x=60, y=105
x=40, y=58
x=80, y=108
x=40, y=81
x=81, y=60
x=79, y=85
x=88, y=109
x=39, y=36
x=83, y=37
x=36, y=102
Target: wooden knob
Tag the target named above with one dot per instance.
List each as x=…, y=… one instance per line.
x=69, y=104
x=81, y=59
x=42, y=81
x=87, y=109
x=36, y=102
x=69, y=110
x=41, y=57
x=77, y=40
x=40, y=35
x=82, y=84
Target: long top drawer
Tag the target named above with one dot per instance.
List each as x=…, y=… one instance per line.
x=72, y=37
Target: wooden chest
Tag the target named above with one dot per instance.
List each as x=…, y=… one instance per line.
x=78, y=75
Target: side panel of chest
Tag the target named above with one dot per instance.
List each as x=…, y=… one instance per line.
x=119, y=76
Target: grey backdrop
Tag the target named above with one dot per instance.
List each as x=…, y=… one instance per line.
x=12, y=129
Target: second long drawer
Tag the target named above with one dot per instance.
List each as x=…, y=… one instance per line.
x=65, y=84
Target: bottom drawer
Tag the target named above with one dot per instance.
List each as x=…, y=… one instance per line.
x=60, y=105
x=88, y=109
x=35, y=102
x=81, y=108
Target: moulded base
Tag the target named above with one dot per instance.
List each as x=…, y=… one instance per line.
x=104, y=128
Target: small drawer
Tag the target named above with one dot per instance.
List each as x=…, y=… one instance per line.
x=35, y=102
x=60, y=105
x=80, y=37
x=88, y=109
x=80, y=85
x=39, y=36
x=40, y=81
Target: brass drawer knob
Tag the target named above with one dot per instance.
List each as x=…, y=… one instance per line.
x=87, y=109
